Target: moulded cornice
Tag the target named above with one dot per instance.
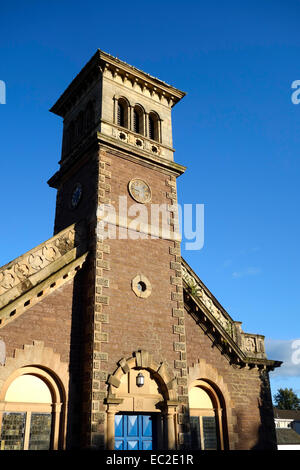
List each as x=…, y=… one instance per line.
x=94, y=69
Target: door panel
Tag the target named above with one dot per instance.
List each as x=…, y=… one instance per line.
x=119, y=426
x=133, y=432
x=133, y=445
x=147, y=445
x=132, y=426
x=147, y=426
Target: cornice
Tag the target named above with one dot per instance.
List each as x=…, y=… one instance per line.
x=93, y=71
x=133, y=73
x=141, y=156
x=81, y=153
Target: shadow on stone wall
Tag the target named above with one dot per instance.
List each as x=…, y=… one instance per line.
x=266, y=432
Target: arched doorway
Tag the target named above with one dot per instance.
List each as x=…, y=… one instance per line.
x=30, y=411
x=207, y=416
x=141, y=405
x=138, y=422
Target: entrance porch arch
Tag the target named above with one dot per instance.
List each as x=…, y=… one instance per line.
x=157, y=396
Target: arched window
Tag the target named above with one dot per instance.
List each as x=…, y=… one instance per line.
x=30, y=411
x=122, y=113
x=138, y=121
x=207, y=417
x=153, y=127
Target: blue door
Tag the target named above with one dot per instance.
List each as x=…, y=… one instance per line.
x=133, y=432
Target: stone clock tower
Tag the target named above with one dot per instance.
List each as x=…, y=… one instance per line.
x=117, y=151
x=108, y=338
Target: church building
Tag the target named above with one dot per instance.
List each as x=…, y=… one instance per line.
x=108, y=338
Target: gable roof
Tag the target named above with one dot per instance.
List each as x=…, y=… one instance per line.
x=287, y=414
x=287, y=436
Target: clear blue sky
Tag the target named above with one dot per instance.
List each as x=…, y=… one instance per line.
x=237, y=131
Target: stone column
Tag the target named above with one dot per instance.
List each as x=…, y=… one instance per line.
x=146, y=125
x=56, y=410
x=219, y=419
x=130, y=124
x=115, y=110
x=112, y=409
x=159, y=127
x=171, y=433
x=160, y=431
x=110, y=429
x=27, y=431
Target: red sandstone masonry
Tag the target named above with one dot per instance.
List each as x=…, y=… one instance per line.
x=136, y=323
x=48, y=321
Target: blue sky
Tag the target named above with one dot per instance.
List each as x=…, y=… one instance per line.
x=237, y=131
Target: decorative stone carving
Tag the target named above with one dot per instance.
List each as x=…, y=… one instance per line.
x=21, y=270
x=8, y=280
x=49, y=252
x=249, y=344
x=196, y=290
x=35, y=261
x=30, y=263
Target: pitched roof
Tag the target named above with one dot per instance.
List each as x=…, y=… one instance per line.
x=287, y=436
x=287, y=414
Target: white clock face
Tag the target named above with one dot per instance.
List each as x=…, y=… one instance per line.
x=140, y=190
x=76, y=195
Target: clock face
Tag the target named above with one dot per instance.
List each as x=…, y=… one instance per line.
x=76, y=195
x=140, y=191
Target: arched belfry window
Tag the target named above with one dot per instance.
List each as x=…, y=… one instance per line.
x=138, y=120
x=154, y=127
x=122, y=112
